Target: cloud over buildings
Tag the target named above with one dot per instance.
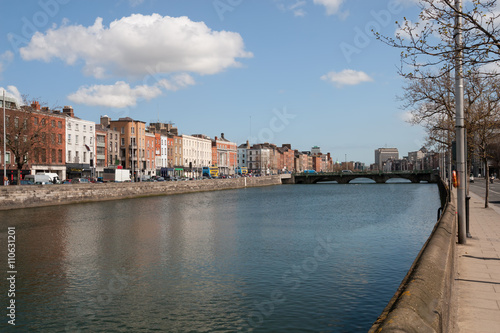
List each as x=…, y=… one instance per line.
x=136, y=47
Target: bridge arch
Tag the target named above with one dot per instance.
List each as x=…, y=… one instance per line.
x=381, y=178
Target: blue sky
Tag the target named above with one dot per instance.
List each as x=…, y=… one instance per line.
x=303, y=72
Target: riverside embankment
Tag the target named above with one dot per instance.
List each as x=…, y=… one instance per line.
x=13, y=197
x=422, y=303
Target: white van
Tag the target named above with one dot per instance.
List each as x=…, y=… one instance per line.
x=54, y=177
x=39, y=179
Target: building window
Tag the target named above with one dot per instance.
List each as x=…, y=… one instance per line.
x=53, y=155
x=35, y=120
x=16, y=122
x=84, y=139
x=53, y=137
x=7, y=158
x=69, y=125
x=91, y=140
x=123, y=141
x=59, y=124
x=84, y=156
x=59, y=138
x=76, y=139
x=69, y=155
x=77, y=156
x=123, y=130
x=76, y=127
x=90, y=128
x=85, y=128
x=132, y=130
x=69, y=138
x=53, y=123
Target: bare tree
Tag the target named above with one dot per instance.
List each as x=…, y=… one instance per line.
x=430, y=41
x=431, y=102
x=26, y=136
x=484, y=122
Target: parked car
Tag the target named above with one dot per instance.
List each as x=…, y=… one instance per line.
x=80, y=181
x=67, y=181
x=26, y=182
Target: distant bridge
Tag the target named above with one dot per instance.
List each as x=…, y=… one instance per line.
x=429, y=176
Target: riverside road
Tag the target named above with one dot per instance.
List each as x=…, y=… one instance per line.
x=478, y=187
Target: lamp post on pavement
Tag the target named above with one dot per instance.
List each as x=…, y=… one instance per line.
x=459, y=124
x=4, y=144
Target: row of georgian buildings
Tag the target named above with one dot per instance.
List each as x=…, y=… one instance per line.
x=60, y=142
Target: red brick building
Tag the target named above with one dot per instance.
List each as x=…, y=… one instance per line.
x=36, y=140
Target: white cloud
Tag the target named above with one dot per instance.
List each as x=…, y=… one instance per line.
x=405, y=116
x=346, y=77
x=296, y=7
x=177, y=82
x=119, y=95
x=332, y=6
x=138, y=44
x=12, y=91
x=5, y=58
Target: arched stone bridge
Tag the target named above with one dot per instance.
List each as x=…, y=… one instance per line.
x=379, y=177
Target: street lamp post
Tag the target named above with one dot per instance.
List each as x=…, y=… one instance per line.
x=4, y=144
x=459, y=124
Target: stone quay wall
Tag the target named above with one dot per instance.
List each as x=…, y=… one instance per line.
x=422, y=302
x=14, y=197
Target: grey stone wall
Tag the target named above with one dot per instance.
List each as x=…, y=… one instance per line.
x=423, y=300
x=13, y=197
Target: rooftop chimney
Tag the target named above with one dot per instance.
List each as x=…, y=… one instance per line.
x=35, y=105
x=68, y=110
x=105, y=121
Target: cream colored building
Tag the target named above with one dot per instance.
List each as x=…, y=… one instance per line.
x=197, y=153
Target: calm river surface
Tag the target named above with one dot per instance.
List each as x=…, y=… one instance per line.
x=295, y=258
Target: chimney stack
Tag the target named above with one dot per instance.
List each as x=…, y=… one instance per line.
x=68, y=110
x=105, y=121
x=35, y=105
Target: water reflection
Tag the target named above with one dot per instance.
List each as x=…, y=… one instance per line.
x=249, y=260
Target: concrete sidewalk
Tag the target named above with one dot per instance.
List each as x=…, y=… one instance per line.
x=476, y=293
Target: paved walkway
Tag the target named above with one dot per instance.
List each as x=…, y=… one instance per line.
x=477, y=275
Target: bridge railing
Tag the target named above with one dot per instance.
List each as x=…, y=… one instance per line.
x=361, y=173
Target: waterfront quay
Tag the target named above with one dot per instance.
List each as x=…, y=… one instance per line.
x=477, y=274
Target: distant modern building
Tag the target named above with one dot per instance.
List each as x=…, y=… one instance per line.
x=316, y=150
x=384, y=154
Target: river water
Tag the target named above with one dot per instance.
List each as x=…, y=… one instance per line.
x=294, y=258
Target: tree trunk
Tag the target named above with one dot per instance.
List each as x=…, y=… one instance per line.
x=487, y=187
x=18, y=176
